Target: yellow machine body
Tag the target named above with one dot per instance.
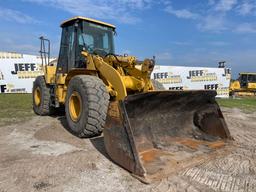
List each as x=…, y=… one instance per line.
x=118, y=83
x=245, y=85
x=119, y=73
x=149, y=132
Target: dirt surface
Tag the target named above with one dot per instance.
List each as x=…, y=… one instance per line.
x=40, y=155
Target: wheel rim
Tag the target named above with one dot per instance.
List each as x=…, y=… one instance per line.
x=37, y=96
x=75, y=106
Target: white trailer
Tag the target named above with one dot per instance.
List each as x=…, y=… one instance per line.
x=193, y=78
x=18, y=71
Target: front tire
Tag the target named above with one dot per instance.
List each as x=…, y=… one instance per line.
x=41, y=97
x=86, y=105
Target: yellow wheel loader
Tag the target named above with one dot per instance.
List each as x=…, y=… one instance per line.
x=245, y=85
x=147, y=131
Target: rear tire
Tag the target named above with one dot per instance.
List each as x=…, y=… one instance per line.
x=41, y=97
x=157, y=85
x=86, y=105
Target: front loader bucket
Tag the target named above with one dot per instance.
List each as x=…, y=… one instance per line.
x=156, y=133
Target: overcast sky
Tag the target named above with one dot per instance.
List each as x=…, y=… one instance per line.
x=177, y=32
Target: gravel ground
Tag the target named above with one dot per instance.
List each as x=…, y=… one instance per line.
x=40, y=155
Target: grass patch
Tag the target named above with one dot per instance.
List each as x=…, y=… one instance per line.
x=15, y=108
x=245, y=104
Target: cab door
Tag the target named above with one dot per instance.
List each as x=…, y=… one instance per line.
x=66, y=60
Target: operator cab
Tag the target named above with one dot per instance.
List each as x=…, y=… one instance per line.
x=83, y=34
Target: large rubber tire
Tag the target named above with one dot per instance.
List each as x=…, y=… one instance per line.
x=157, y=85
x=93, y=105
x=41, y=104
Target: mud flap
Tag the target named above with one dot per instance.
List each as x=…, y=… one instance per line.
x=156, y=133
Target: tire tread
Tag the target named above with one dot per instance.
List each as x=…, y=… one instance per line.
x=98, y=99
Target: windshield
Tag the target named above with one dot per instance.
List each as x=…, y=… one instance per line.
x=96, y=39
x=252, y=78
